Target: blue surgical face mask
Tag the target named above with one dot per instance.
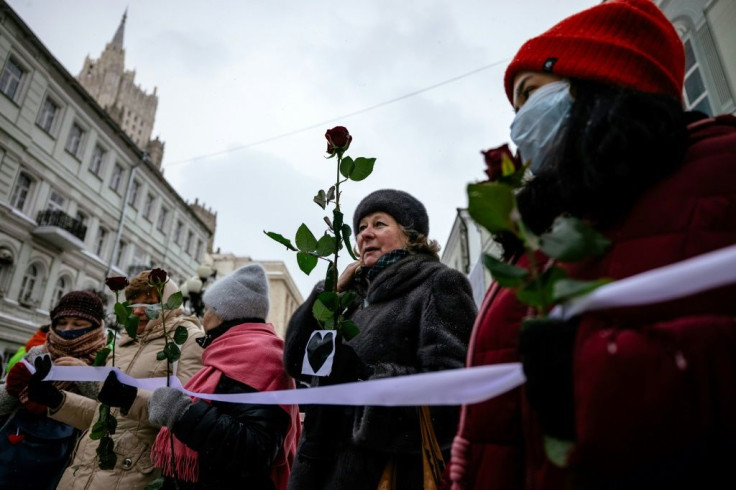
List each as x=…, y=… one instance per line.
x=540, y=123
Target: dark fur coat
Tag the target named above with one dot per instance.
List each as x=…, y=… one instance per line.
x=415, y=316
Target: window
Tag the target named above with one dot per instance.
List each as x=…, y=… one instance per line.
x=47, y=116
x=696, y=96
x=148, y=206
x=61, y=288
x=190, y=238
x=21, y=191
x=163, y=217
x=100, y=242
x=198, y=255
x=74, y=142
x=135, y=189
x=29, y=284
x=122, y=248
x=177, y=232
x=56, y=201
x=98, y=155
x=11, y=79
x=81, y=217
x=117, y=175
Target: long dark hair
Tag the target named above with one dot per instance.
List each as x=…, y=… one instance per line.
x=619, y=142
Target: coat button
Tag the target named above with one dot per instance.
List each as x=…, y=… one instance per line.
x=127, y=463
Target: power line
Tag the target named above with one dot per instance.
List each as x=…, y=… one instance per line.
x=344, y=116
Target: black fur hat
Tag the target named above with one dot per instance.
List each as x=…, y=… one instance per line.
x=402, y=206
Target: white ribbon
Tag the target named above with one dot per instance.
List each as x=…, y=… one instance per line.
x=450, y=387
x=469, y=385
x=694, y=275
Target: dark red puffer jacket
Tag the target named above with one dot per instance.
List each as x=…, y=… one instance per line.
x=655, y=386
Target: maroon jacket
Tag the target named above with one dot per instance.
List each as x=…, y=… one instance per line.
x=654, y=386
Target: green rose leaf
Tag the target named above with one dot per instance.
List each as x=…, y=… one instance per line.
x=106, y=454
x=363, y=168
x=531, y=240
x=160, y=356
x=320, y=199
x=156, y=484
x=346, y=167
x=329, y=324
x=558, y=450
x=131, y=326
x=110, y=338
x=98, y=431
x=282, y=240
x=121, y=313
x=306, y=262
x=565, y=289
x=331, y=193
x=491, y=204
x=181, y=334
x=347, y=232
x=540, y=293
x=101, y=356
x=347, y=298
x=175, y=301
x=172, y=352
x=348, y=329
x=571, y=240
x=321, y=311
x=506, y=275
x=305, y=240
x=326, y=245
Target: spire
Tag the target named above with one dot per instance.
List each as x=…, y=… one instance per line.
x=117, y=40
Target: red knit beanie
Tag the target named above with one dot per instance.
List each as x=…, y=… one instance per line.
x=629, y=43
x=79, y=304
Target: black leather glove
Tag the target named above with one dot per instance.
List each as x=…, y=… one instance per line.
x=347, y=367
x=43, y=392
x=116, y=394
x=546, y=346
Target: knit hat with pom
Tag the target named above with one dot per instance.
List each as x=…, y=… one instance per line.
x=241, y=294
x=629, y=43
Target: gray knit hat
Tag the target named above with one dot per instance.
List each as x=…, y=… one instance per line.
x=402, y=206
x=241, y=294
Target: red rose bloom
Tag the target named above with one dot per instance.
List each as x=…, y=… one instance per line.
x=116, y=283
x=494, y=162
x=158, y=276
x=338, y=138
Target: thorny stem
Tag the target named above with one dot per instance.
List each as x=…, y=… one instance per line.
x=337, y=234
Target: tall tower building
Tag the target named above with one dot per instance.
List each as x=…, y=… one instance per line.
x=114, y=88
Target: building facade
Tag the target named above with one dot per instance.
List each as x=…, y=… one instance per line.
x=706, y=28
x=79, y=198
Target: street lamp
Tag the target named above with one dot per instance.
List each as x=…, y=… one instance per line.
x=194, y=288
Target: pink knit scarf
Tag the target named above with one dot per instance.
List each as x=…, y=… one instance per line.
x=252, y=354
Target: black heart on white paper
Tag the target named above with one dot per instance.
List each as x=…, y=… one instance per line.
x=319, y=349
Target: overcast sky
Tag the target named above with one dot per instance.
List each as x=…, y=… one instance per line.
x=247, y=89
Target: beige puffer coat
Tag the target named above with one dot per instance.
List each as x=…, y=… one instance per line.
x=134, y=436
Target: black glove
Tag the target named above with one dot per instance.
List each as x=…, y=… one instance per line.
x=43, y=392
x=546, y=346
x=116, y=394
x=347, y=367
x=323, y=424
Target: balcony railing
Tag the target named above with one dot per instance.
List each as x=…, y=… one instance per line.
x=62, y=220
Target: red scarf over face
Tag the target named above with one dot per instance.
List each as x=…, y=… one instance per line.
x=250, y=353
